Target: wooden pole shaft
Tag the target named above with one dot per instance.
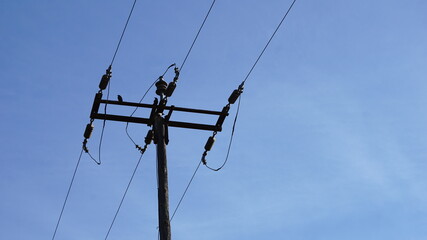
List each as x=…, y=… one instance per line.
x=162, y=173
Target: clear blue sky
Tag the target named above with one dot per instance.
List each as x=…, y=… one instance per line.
x=331, y=141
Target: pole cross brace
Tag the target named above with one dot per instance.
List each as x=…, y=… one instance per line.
x=130, y=119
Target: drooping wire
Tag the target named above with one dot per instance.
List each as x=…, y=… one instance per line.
x=182, y=65
x=242, y=84
x=197, y=35
x=103, y=127
x=68, y=193
x=109, y=83
x=96, y=161
x=84, y=148
x=142, y=98
x=127, y=124
x=101, y=137
x=230, y=142
x=124, y=195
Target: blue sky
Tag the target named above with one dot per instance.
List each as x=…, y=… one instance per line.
x=330, y=141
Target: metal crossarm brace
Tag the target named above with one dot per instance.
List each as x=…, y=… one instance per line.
x=98, y=101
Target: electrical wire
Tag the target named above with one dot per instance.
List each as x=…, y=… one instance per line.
x=230, y=142
x=185, y=191
x=102, y=133
x=123, y=197
x=142, y=98
x=268, y=43
x=68, y=193
x=123, y=33
x=242, y=84
x=109, y=83
x=197, y=35
x=96, y=161
x=103, y=127
x=182, y=65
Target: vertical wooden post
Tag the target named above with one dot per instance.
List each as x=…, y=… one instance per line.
x=162, y=173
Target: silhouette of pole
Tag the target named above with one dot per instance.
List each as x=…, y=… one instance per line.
x=160, y=124
x=162, y=173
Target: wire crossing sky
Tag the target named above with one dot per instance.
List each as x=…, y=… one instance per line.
x=330, y=143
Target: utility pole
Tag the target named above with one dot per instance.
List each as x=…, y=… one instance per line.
x=160, y=125
x=162, y=173
x=160, y=139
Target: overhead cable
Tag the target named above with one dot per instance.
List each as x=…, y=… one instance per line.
x=182, y=65
x=109, y=84
x=123, y=33
x=124, y=196
x=197, y=35
x=241, y=87
x=142, y=98
x=185, y=191
x=68, y=193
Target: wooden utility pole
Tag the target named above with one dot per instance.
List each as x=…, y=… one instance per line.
x=161, y=138
x=160, y=126
x=162, y=175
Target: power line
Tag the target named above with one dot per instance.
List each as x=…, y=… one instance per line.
x=123, y=197
x=197, y=35
x=268, y=43
x=230, y=142
x=136, y=108
x=68, y=193
x=237, y=113
x=103, y=127
x=109, y=83
x=123, y=33
x=182, y=65
x=242, y=85
x=127, y=124
x=142, y=98
x=186, y=189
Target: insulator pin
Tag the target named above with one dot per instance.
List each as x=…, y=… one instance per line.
x=104, y=81
x=149, y=137
x=169, y=90
x=234, y=96
x=209, y=143
x=176, y=74
x=88, y=131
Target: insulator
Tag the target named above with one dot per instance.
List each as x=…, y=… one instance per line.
x=169, y=90
x=234, y=96
x=209, y=143
x=149, y=137
x=104, y=81
x=161, y=86
x=88, y=131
